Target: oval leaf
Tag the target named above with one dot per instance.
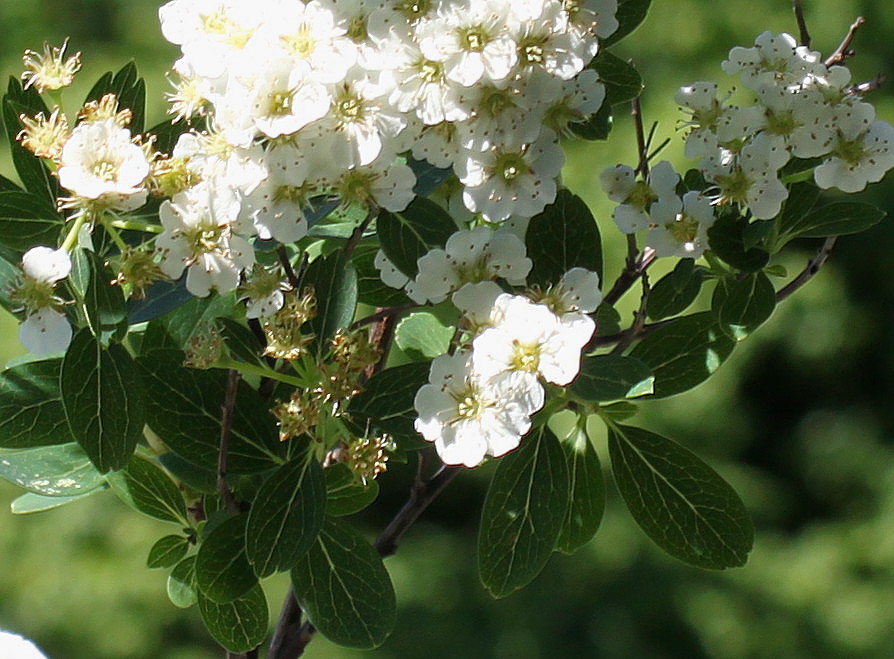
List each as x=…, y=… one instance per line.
x=53, y=471
x=612, y=377
x=181, y=586
x=679, y=501
x=621, y=79
x=37, y=503
x=31, y=412
x=239, y=625
x=334, y=280
x=684, y=353
x=838, y=219
x=344, y=588
x=222, y=570
x=147, y=489
x=422, y=334
x=345, y=492
x=742, y=305
x=387, y=398
x=586, y=494
x=728, y=241
x=27, y=220
x=103, y=397
x=630, y=14
x=674, y=292
x=523, y=514
x=167, y=551
x=286, y=516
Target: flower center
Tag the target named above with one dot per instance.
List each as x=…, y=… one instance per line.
x=509, y=166
x=105, y=170
x=525, y=357
x=684, y=230
x=851, y=151
x=473, y=39
x=222, y=25
x=302, y=42
x=531, y=50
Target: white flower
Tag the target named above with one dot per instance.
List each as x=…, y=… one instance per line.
x=388, y=272
x=45, y=332
x=275, y=208
x=45, y=329
x=578, y=290
x=774, y=59
x=13, y=646
x=862, y=153
x=470, y=256
x=100, y=162
x=656, y=195
x=45, y=264
x=529, y=338
x=469, y=418
x=686, y=235
x=198, y=235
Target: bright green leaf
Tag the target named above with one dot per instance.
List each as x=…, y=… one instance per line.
x=612, y=377
x=586, y=494
x=343, y=587
x=421, y=333
x=286, y=516
x=181, y=585
x=524, y=513
x=239, y=625
x=54, y=471
x=103, y=397
x=167, y=551
x=222, y=569
x=684, y=353
x=679, y=501
x=38, y=503
x=31, y=412
x=146, y=488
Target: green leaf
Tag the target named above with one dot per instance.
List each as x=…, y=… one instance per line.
x=38, y=503
x=371, y=289
x=143, y=486
x=53, y=471
x=630, y=14
x=181, y=585
x=222, y=569
x=608, y=320
x=524, y=513
x=167, y=551
x=586, y=494
x=621, y=79
x=802, y=197
x=410, y=234
x=422, y=334
x=163, y=297
x=597, y=126
x=345, y=492
x=33, y=173
x=619, y=411
x=184, y=410
x=286, y=516
x=343, y=587
x=742, y=305
x=31, y=412
x=240, y=340
x=103, y=397
x=104, y=302
x=334, y=280
x=239, y=625
x=674, y=292
x=130, y=91
x=27, y=220
x=562, y=237
x=679, y=501
x=174, y=330
x=839, y=218
x=612, y=377
x=387, y=398
x=684, y=353
x=727, y=240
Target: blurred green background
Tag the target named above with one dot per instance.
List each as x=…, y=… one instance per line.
x=800, y=421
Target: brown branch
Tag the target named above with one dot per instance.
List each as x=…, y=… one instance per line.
x=639, y=318
x=642, y=166
x=868, y=86
x=226, y=428
x=813, y=266
x=283, y=256
x=804, y=38
x=383, y=313
x=632, y=271
x=288, y=640
x=844, y=49
x=360, y=229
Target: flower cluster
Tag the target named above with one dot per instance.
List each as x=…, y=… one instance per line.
x=480, y=399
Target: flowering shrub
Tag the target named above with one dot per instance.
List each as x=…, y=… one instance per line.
x=352, y=245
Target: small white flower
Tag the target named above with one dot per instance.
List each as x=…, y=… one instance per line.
x=686, y=235
x=45, y=332
x=862, y=153
x=45, y=264
x=656, y=195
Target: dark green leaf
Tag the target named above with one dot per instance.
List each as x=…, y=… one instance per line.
x=608, y=320
x=147, y=489
x=184, y=410
x=181, y=584
x=371, y=289
x=161, y=298
x=286, y=516
x=104, y=301
x=343, y=587
x=31, y=412
x=334, y=280
x=727, y=240
x=27, y=220
x=524, y=513
x=428, y=177
x=222, y=569
x=630, y=14
x=679, y=501
x=621, y=79
x=586, y=500
x=345, y=492
x=175, y=329
x=684, y=353
x=241, y=341
x=410, y=234
x=802, y=197
x=239, y=625
x=597, y=126
x=612, y=377
x=422, y=334
x=104, y=402
x=838, y=219
x=742, y=305
x=130, y=91
x=33, y=173
x=167, y=551
x=562, y=237
x=387, y=399
x=674, y=292
x=53, y=471
x=8, y=185
x=619, y=411
x=38, y=503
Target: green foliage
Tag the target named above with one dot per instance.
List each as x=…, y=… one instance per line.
x=167, y=551
x=621, y=80
x=743, y=304
x=676, y=291
x=334, y=280
x=239, y=625
x=727, y=238
x=33, y=173
x=27, y=219
x=345, y=493
x=222, y=570
x=410, y=234
x=630, y=15
x=147, y=489
x=604, y=378
x=524, y=514
x=53, y=471
x=129, y=89
x=31, y=412
x=387, y=400
x=422, y=335
x=679, y=501
x=586, y=494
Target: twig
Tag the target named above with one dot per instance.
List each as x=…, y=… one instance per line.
x=642, y=166
x=868, y=86
x=226, y=427
x=358, y=232
x=639, y=318
x=287, y=266
x=813, y=266
x=382, y=313
x=631, y=272
x=288, y=640
x=804, y=37
x=844, y=49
